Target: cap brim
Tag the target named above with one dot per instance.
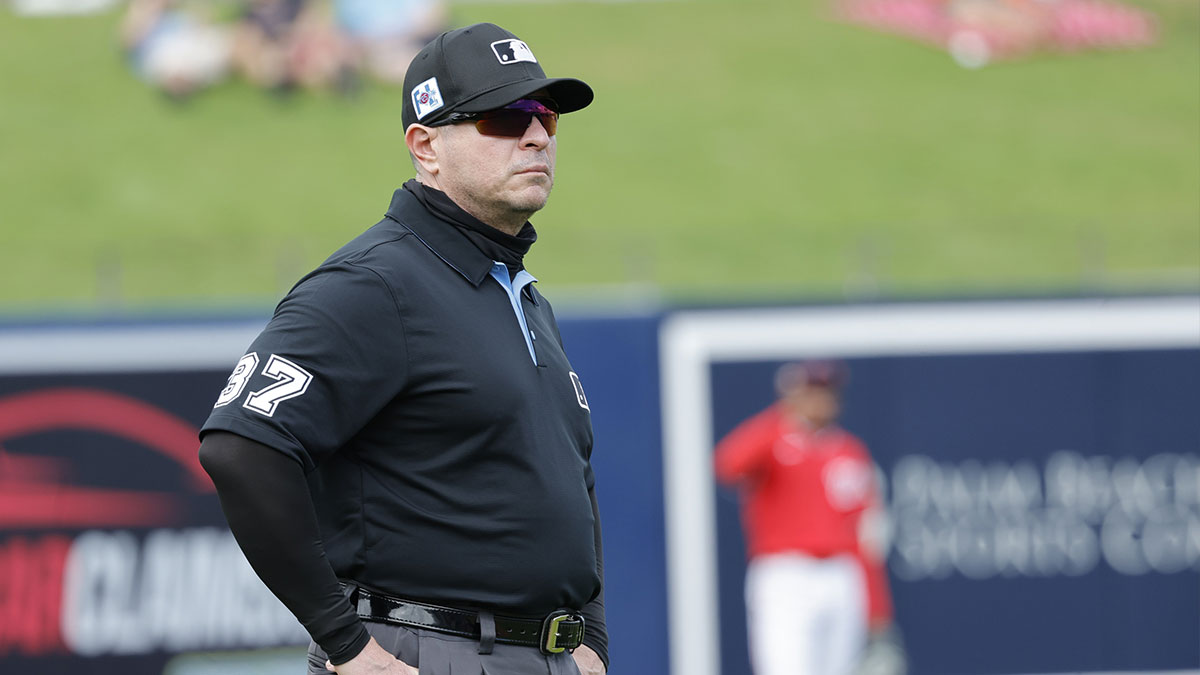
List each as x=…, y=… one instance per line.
x=569, y=93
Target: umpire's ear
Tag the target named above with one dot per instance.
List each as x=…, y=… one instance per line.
x=419, y=140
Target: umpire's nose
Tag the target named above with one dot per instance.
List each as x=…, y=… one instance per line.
x=535, y=137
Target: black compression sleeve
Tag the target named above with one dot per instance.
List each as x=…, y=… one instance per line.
x=596, y=629
x=265, y=497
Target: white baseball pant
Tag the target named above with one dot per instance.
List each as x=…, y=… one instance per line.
x=805, y=615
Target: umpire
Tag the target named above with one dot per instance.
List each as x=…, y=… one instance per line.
x=404, y=452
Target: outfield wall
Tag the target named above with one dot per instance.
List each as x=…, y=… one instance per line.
x=1042, y=460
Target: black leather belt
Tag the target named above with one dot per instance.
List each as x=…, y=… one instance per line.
x=560, y=631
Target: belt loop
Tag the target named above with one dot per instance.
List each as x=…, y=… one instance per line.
x=487, y=631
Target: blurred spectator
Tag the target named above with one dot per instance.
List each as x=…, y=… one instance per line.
x=182, y=46
x=978, y=32
x=989, y=29
x=176, y=45
x=282, y=44
x=52, y=7
x=814, y=592
x=386, y=34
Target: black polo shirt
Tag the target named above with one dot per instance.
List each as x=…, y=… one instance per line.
x=444, y=463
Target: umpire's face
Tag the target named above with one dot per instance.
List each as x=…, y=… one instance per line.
x=498, y=179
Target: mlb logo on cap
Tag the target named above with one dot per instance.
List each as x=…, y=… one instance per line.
x=426, y=97
x=513, y=51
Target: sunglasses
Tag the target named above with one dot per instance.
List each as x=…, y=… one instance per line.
x=511, y=121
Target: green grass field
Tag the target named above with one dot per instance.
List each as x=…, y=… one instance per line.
x=736, y=149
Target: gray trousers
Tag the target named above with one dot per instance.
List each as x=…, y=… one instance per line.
x=440, y=654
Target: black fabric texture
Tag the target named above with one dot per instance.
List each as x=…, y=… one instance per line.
x=266, y=500
x=497, y=245
x=596, y=626
x=429, y=438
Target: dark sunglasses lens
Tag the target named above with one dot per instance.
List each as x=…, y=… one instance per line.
x=514, y=123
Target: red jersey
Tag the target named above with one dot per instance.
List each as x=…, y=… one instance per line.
x=804, y=490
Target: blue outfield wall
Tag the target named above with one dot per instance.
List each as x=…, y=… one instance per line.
x=617, y=360
x=1044, y=491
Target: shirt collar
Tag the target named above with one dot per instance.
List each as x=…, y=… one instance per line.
x=521, y=283
x=522, y=279
x=443, y=239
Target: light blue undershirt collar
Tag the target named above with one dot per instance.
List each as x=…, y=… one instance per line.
x=513, y=287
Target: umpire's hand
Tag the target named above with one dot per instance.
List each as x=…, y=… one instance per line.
x=587, y=660
x=373, y=660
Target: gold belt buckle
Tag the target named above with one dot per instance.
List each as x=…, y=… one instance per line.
x=550, y=628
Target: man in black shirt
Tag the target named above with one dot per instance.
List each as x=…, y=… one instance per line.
x=404, y=452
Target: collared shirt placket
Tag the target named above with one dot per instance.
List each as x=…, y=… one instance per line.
x=513, y=286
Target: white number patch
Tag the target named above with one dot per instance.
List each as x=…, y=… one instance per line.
x=237, y=381
x=293, y=382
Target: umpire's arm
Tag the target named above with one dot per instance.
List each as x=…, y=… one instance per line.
x=265, y=497
x=595, y=636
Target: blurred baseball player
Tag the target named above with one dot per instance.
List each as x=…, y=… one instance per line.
x=811, y=589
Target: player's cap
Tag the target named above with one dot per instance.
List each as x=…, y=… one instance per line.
x=828, y=374
x=477, y=68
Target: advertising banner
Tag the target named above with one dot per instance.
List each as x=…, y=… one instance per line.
x=1040, y=461
x=1050, y=501
x=112, y=543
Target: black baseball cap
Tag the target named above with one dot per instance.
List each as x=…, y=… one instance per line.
x=477, y=68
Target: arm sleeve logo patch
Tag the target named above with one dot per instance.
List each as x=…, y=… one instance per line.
x=579, y=395
x=426, y=97
x=512, y=51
